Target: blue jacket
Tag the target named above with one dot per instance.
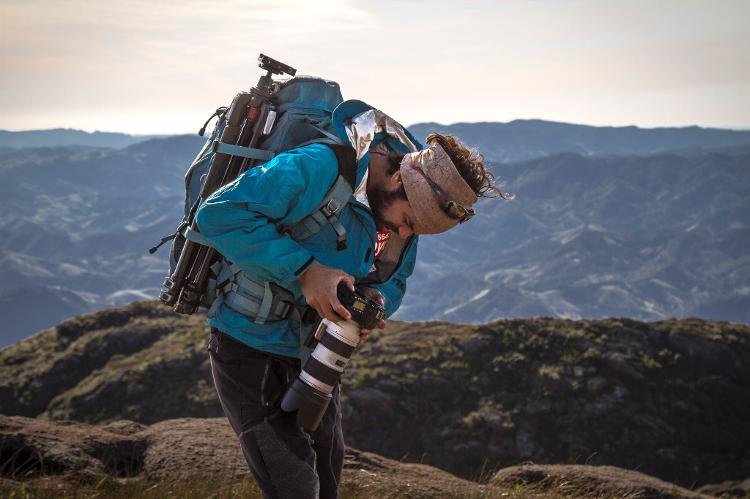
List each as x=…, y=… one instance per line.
x=241, y=221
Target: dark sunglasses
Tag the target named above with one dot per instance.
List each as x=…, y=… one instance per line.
x=453, y=209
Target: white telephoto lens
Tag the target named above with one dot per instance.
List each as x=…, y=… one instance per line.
x=344, y=331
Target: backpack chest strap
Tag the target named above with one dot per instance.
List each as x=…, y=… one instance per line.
x=325, y=213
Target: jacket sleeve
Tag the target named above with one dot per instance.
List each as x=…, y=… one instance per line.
x=239, y=219
x=394, y=288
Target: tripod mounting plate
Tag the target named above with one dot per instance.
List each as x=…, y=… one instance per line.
x=275, y=67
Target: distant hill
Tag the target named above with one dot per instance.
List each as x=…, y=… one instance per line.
x=666, y=398
x=20, y=310
x=520, y=140
x=513, y=141
x=68, y=137
x=647, y=236
x=79, y=220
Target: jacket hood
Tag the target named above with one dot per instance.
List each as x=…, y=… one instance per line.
x=344, y=114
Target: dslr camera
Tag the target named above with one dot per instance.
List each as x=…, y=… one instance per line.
x=333, y=342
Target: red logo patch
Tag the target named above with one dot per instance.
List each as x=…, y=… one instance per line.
x=381, y=241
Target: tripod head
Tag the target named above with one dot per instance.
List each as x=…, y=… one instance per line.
x=273, y=67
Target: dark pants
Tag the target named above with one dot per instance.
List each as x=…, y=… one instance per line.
x=286, y=461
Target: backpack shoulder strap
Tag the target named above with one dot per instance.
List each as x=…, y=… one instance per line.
x=347, y=160
x=335, y=199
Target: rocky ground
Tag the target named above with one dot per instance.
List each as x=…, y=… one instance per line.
x=666, y=398
x=46, y=459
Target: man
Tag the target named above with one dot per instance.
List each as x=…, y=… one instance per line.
x=253, y=359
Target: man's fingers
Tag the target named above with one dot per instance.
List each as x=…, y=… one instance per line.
x=316, y=306
x=324, y=311
x=330, y=309
x=327, y=312
x=336, y=311
x=341, y=310
x=319, y=285
x=374, y=294
x=381, y=324
x=349, y=281
x=363, y=334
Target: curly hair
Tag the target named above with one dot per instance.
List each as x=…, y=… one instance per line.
x=470, y=165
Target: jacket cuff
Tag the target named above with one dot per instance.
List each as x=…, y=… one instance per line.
x=304, y=267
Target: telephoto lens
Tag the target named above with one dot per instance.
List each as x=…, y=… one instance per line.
x=311, y=392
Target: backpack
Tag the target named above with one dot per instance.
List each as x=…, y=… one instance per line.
x=303, y=109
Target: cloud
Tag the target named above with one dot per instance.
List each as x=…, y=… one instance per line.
x=103, y=64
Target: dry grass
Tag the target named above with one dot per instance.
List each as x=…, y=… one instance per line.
x=199, y=488
x=49, y=488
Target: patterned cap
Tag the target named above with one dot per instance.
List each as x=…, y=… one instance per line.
x=437, y=193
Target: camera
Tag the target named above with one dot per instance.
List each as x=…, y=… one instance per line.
x=334, y=342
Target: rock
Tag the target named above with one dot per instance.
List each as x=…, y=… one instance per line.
x=524, y=442
x=124, y=427
x=621, y=364
x=730, y=488
x=68, y=455
x=373, y=401
x=595, y=384
x=185, y=449
x=588, y=481
x=608, y=402
x=33, y=447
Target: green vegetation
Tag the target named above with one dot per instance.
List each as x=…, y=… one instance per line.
x=615, y=391
x=100, y=367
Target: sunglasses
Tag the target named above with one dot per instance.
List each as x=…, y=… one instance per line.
x=453, y=209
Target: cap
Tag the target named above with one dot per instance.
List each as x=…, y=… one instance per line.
x=437, y=192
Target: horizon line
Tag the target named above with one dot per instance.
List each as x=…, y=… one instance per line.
x=736, y=128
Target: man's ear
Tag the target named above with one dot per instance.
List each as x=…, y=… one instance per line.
x=395, y=179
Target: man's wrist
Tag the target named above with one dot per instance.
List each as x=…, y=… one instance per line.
x=304, y=267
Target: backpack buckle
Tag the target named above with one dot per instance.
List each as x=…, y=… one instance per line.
x=333, y=207
x=284, y=309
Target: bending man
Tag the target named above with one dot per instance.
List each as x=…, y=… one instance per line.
x=256, y=355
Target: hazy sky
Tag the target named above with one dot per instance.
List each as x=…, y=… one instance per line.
x=162, y=67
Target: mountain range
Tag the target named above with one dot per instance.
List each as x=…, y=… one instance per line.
x=66, y=136
x=643, y=223
x=645, y=237
x=520, y=140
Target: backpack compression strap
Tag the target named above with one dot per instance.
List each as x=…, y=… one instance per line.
x=336, y=198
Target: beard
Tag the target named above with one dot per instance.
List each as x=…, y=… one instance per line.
x=380, y=200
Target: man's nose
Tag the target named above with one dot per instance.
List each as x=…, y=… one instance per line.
x=404, y=232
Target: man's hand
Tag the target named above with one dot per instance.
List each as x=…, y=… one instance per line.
x=319, y=285
x=371, y=294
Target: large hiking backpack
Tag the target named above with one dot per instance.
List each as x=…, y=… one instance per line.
x=303, y=107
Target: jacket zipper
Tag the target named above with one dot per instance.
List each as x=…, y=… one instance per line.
x=356, y=204
x=408, y=243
